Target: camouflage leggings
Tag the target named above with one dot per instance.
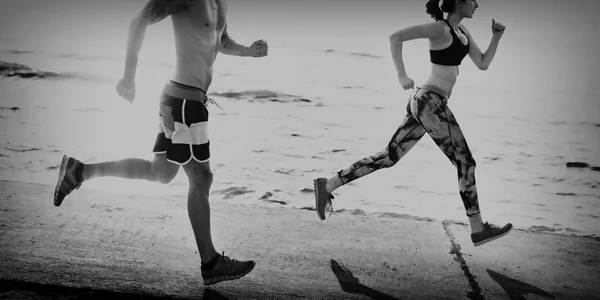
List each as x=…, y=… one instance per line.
x=426, y=112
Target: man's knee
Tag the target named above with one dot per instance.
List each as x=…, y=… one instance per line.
x=165, y=173
x=166, y=177
x=200, y=175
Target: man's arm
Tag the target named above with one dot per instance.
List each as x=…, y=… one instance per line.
x=154, y=12
x=231, y=47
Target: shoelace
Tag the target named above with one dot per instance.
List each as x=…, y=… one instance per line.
x=65, y=189
x=492, y=226
x=329, y=206
x=228, y=260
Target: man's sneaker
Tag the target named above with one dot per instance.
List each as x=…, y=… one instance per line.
x=322, y=198
x=69, y=179
x=490, y=232
x=227, y=269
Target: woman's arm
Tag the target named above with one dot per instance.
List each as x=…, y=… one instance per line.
x=483, y=60
x=429, y=31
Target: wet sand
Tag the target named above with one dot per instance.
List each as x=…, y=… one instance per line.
x=99, y=245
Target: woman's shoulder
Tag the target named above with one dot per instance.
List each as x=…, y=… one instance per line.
x=463, y=27
x=439, y=27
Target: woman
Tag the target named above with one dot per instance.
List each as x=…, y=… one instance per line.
x=427, y=110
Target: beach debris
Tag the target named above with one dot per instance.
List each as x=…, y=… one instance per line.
x=14, y=108
x=285, y=172
x=233, y=192
x=276, y=201
x=261, y=95
x=17, y=70
x=267, y=195
x=355, y=54
x=307, y=190
x=22, y=149
x=577, y=165
x=308, y=208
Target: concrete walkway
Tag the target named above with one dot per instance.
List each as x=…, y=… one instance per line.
x=99, y=245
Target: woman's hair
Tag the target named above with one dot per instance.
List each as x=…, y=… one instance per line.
x=436, y=11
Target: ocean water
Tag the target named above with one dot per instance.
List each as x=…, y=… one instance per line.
x=326, y=96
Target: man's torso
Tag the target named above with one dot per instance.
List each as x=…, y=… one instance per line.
x=198, y=30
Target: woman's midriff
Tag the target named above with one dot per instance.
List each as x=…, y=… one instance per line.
x=442, y=79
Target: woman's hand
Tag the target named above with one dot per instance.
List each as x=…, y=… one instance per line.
x=406, y=82
x=497, y=28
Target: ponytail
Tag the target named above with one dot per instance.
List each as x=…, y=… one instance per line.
x=434, y=9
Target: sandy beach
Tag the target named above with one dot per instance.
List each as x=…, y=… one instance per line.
x=325, y=96
x=99, y=245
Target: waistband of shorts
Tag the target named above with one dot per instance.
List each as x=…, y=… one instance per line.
x=434, y=89
x=182, y=91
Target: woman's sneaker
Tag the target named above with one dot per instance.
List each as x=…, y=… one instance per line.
x=69, y=179
x=226, y=269
x=322, y=198
x=489, y=233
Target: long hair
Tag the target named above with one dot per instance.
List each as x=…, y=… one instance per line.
x=436, y=11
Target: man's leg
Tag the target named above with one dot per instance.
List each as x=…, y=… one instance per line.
x=435, y=116
x=215, y=267
x=200, y=179
x=72, y=172
x=158, y=170
x=405, y=138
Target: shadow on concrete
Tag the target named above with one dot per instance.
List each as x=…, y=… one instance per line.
x=515, y=289
x=10, y=289
x=351, y=284
x=210, y=294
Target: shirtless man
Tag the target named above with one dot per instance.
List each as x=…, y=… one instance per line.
x=200, y=28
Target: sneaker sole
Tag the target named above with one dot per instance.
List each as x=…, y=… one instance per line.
x=492, y=238
x=322, y=217
x=61, y=178
x=227, y=278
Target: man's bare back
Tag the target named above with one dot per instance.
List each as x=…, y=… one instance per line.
x=200, y=29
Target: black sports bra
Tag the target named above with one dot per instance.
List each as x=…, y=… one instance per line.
x=454, y=54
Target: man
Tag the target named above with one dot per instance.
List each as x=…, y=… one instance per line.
x=200, y=28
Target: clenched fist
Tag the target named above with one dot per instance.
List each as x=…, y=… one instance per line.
x=126, y=89
x=497, y=28
x=259, y=48
x=406, y=82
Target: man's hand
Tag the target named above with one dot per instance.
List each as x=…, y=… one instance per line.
x=259, y=48
x=497, y=28
x=126, y=89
